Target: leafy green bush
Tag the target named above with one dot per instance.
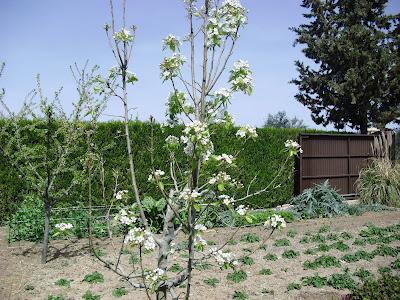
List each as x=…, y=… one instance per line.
x=387, y=287
x=27, y=226
x=324, y=261
x=94, y=277
x=319, y=201
x=89, y=295
x=250, y=238
x=290, y=254
x=315, y=281
x=341, y=281
x=380, y=183
x=28, y=221
x=119, y=292
x=211, y=281
x=237, y=276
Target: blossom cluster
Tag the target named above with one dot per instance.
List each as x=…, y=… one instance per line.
x=197, y=138
x=222, y=95
x=156, y=175
x=120, y=194
x=221, y=177
x=227, y=200
x=293, y=147
x=241, y=210
x=138, y=236
x=126, y=217
x=247, y=131
x=171, y=42
x=170, y=66
x=225, y=158
x=224, y=259
x=240, y=77
x=276, y=222
x=154, y=277
x=64, y=226
x=123, y=36
x=172, y=140
x=226, y=21
x=131, y=77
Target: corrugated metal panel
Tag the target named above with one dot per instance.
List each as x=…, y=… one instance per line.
x=338, y=158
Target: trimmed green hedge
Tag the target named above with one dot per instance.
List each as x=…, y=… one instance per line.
x=262, y=157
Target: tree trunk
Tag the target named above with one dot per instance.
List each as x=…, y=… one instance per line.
x=46, y=231
x=169, y=235
x=364, y=122
x=364, y=128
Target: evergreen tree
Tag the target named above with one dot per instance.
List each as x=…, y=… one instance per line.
x=354, y=79
x=281, y=120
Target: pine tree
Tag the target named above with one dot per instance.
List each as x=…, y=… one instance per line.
x=354, y=79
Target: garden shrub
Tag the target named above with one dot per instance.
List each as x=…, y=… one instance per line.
x=262, y=157
x=380, y=183
x=319, y=201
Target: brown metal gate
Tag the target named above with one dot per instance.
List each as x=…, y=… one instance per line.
x=336, y=157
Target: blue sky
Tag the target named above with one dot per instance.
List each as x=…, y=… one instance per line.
x=46, y=36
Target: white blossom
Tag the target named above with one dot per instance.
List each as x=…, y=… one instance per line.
x=154, y=277
x=293, y=147
x=227, y=158
x=220, y=178
x=123, y=36
x=227, y=200
x=159, y=173
x=222, y=93
x=63, y=226
x=247, y=131
x=172, y=42
x=119, y=195
x=199, y=242
x=170, y=66
x=197, y=134
x=195, y=195
x=172, y=140
x=200, y=227
x=138, y=236
x=240, y=77
x=241, y=210
x=125, y=217
x=223, y=258
x=275, y=221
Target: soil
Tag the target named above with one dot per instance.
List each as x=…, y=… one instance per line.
x=22, y=276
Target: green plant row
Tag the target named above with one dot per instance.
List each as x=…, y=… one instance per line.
x=262, y=157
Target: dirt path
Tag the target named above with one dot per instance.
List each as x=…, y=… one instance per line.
x=23, y=277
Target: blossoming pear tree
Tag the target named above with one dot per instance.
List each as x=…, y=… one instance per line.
x=200, y=103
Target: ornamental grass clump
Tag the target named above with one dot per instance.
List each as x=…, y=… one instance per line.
x=379, y=183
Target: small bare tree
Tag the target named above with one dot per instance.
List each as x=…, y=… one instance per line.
x=46, y=165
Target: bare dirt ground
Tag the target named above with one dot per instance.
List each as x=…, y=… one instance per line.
x=22, y=276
